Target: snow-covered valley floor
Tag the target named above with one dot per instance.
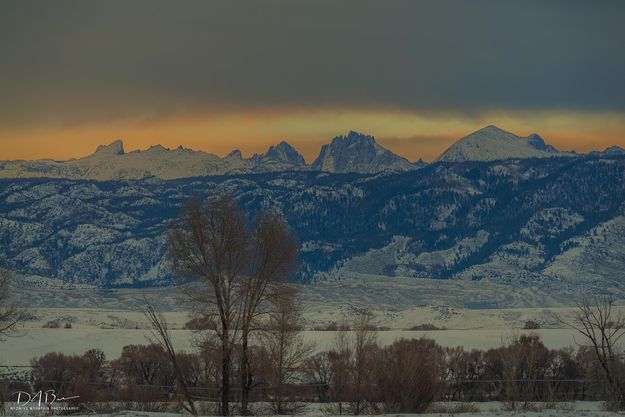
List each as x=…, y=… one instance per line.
x=111, y=319
x=111, y=329
x=31, y=342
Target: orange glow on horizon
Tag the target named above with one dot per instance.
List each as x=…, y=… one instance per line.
x=412, y=136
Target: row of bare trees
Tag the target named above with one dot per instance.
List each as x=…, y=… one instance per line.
x=358, y=376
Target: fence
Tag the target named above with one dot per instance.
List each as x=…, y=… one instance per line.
x=548, y=390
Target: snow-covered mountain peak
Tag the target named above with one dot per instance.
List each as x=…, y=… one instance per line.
x=286, y=153
x=114, y=148
x=492, y=143
x=356, y=152
x=353, y=152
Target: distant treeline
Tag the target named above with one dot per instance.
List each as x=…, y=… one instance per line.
x=357, y=376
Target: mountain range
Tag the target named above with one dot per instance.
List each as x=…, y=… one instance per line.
x=557, y=223
x=494, y=207
x=352, y=153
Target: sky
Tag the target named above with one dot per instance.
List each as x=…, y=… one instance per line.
x=219, y=75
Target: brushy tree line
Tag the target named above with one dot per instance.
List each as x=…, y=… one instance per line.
x=357, y=376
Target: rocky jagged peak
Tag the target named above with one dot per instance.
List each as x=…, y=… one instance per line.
x=285, y=153
x=114, y=148
x=356, y=152
x=354, y=138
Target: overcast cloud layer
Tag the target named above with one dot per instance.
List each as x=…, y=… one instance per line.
x=85, y=61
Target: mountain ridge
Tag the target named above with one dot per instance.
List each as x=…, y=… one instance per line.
x=538, y=222
x=351, y=153
x=110, y=162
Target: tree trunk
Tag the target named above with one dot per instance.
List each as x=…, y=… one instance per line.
x=245, y=376
x=225, y=376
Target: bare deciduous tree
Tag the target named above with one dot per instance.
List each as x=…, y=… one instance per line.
x=365, y=349
x=409, y=377
x=285, y=347
x=236, y=264
x=523, y=365
x=603, y=329
x=211, y=242
x=160, y=332
x=273, y=252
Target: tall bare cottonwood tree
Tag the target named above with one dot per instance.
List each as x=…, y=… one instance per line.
x=236, y=261
x=273, y=253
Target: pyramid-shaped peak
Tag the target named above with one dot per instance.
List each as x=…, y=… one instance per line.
x=286, y=153
x=114, y=148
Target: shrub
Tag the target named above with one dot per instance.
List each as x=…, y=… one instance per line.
x=52, y=324
x=70, y=375
x=198, y=323
x=531, y=325
x=409, y=377
x=332, y=327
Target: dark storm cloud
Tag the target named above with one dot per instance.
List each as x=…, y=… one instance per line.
x=81, y=60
